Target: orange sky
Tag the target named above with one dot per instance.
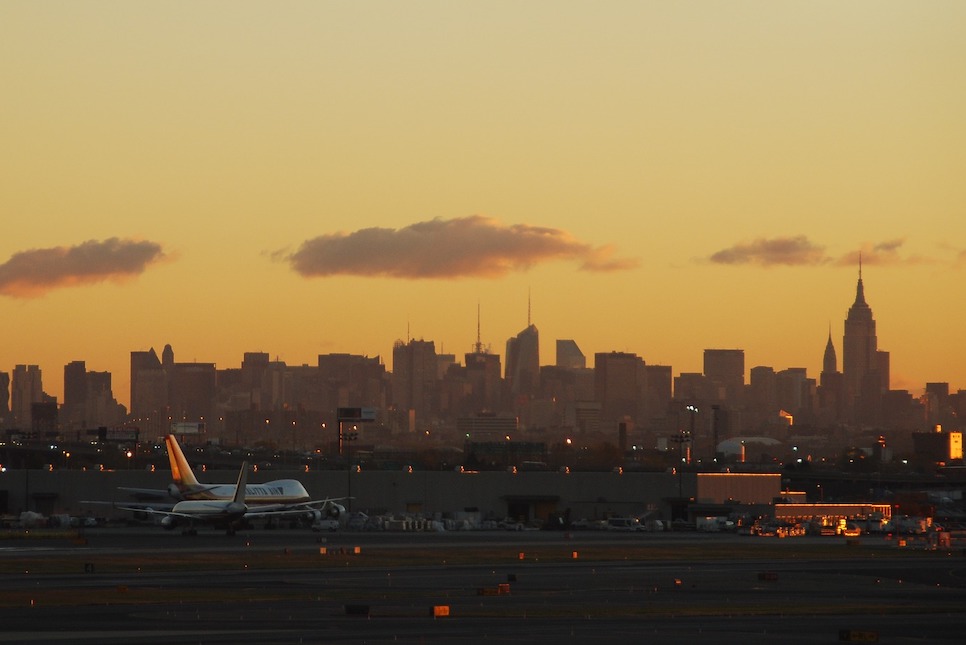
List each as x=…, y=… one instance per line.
x=311, y=177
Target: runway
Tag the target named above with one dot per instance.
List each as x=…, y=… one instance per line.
x=150, y=586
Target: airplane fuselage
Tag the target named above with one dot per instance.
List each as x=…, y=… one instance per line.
x=280, y=491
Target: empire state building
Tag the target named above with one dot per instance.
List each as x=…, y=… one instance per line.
x=865, y=369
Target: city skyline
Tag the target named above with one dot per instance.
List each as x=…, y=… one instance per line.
x=865, y=334
x=309, y=178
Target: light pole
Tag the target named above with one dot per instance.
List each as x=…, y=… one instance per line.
x=682, y=438
x=694, y=411
x=345, y=439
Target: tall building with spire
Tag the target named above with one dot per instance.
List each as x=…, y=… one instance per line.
x=523, y=360
x=865, y=369
x=830, y=385
x=830, y=362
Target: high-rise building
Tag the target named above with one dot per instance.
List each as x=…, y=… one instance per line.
x=4, y=398
x=354, y=381
x=74, y=410
x=485, y=393
x=830, y=390
x=88, y=399
x=620, y=385
x=725, y=371
x=865, y=369
x=523, y=362
x=569, y=355
x=762, y=396
x=794, y=390
x=191, y=391
x=253, y=368
x=414, y=381
x=27, y=389
x=658, y=391
x=859, y=343
x=149, y=390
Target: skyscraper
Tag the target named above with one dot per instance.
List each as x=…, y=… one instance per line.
x=4, y=398
x=725, y=370
x=830, y=362
x=74, y=410
x=26, y=390
x=865, y=369
x=569, y=355
x=523, y=362
x=149, y=388
x=414, y=377
x=620, y=385
x=830, y=385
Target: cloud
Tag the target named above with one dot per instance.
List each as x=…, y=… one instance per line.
x=33, y=273
x=474, y=246
x=886, y=253
x=800, y=251
x=789, y=251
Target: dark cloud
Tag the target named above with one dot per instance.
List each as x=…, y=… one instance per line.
x=789, y=251
x=473, y=246
x=35, y=272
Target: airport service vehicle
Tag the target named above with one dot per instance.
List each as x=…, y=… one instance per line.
x=624, y=524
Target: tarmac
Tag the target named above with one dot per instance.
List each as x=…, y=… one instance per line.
x=149, y=586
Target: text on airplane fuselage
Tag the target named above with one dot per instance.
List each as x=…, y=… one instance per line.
x=264, y=490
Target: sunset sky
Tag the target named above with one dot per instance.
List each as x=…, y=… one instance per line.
x=302, y=178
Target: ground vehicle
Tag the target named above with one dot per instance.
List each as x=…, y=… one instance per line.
x=624, y=524
x=325, y=524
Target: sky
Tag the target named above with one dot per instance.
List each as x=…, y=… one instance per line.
x=303, y=178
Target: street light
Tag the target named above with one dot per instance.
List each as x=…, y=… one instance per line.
x=345, y=438
x=694, y=411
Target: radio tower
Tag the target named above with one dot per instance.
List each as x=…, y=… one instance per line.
x=478, y=347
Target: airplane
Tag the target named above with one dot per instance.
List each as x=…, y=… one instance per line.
x=281, y=495
x=185, y=485
x=230, y=513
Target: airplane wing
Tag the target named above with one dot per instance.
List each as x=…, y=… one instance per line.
x=147, y=493
x=165, y=512
x=140, y=508
x=311, y=504
x=163, y=493
x=297, y=507
x=215, y=515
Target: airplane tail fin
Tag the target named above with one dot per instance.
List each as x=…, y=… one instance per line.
x=180, y=470
x=239, y=497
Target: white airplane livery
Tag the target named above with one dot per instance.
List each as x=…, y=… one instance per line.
x=229, y=504
x=186, y=485
x=227, y=513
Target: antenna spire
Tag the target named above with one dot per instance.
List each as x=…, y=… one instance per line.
x=479, y=345
x=528, y=306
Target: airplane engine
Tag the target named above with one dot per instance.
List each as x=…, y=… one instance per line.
x=167, y=522
x=333, y=510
